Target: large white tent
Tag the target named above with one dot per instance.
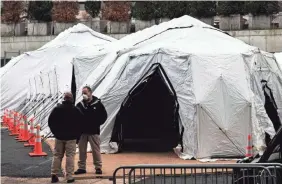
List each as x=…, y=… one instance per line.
x=54, y=58
x=214, y=81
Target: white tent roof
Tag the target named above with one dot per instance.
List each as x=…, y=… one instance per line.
x=215, y=77
x=54, y=56
x=164, y=35
x=77, y=36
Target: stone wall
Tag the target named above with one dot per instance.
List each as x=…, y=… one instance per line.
x=140, y=25
x=209, y=21
x=267, y=40
x=13, y=29
x=118, y=27
x=23, y=43
x=279, y=19
x=38, y=29
x=260, y=22
x=233, y=22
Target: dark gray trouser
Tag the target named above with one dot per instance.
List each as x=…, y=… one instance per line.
x=62, y=147
x=94, y=141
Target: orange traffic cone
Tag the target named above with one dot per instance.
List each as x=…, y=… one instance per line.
x=19, y=123
x=7, y=118
x=249, y=150
x=25, y=132
x=31, y=140
x=14, y=131
x=20, y=130
x=10, y=122
x=4, y=118
x=38, y=146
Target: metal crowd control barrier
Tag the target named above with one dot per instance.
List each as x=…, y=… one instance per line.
x=269, y=173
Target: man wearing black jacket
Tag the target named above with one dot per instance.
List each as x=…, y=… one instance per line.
x=94, y=115
x=64, y=123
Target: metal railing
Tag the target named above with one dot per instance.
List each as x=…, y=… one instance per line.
x=200, y=174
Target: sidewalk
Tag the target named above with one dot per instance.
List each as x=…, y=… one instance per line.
x=8, y=180
x=113, y=161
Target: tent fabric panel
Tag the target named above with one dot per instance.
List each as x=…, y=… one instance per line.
x=227, y=141
x=241, y=126
x=278, y=57
x=98, y=74
x=84, y=66
x=224, y=105
x=207, y=69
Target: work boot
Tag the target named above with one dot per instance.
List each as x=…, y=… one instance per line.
x=80, y=171
x=71, y=181
x=99, y=171
x=54, y=179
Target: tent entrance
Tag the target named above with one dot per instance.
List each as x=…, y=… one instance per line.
x=148, y=118
x=270, y=108
x=73, y=85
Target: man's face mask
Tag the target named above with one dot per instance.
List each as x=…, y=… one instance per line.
x=85, y=97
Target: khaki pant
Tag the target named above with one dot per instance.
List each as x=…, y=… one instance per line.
x=94, y=141
x=62, y=147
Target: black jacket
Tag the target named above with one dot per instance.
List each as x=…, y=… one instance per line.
x=65, y=121
x=94, y=115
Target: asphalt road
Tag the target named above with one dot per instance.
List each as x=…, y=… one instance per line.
x=16, y=162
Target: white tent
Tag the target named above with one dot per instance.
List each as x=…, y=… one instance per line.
x=214, y=78
x=279, y=58
x=54, y=57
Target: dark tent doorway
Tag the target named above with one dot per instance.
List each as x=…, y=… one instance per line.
x=270, y=108
x=148, y=118
x=73, y=84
